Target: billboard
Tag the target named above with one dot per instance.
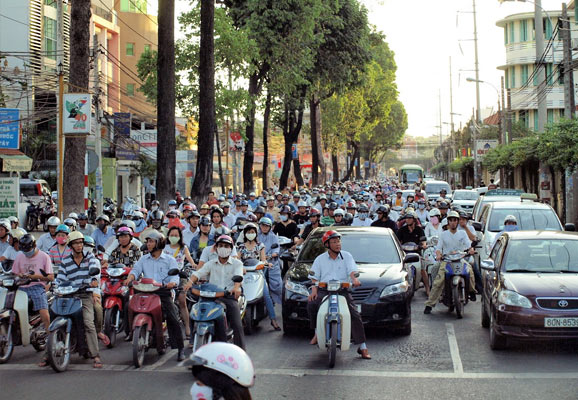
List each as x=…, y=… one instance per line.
x=9, y=128
x=483, y=146
x=77, y=114
x=126, y=148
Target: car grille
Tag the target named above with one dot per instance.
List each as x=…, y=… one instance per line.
x=361, y=294
x=561, y=304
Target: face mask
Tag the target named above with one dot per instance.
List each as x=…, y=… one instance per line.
x=174, y=239
x=61, y=240
x=154, y=208
x=199, y=392
x=101, y=226
x=29, y=253
x=251, y=236
x=224, y=252
x=421, y=206
x=172, y=208
x=363, y=215
x=510, y=228
x=283, y=218
x=434, y=220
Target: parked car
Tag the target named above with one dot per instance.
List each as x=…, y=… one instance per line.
x=465, y=199
x=530, y=287
x=433, y=188
x=34, y=189
x=384, y=297
x=493, y=196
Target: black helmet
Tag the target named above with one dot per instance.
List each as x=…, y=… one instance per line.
x=259, y=210
x=159, y=238
x=363, y=208
x=157, y=214
x=348, y=218
x=333, y=205
x=27, y=242
x=217, y=210
x=285, y=210
x=248, y=226
x=205, y=221
x=383, y=209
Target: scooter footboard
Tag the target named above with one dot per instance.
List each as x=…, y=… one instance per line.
x=345, y=322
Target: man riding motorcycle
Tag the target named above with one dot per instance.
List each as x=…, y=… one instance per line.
x=48, y=239
x=412, y=232
x=383, y=220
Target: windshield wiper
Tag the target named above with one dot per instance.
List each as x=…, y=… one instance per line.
x=520, y=270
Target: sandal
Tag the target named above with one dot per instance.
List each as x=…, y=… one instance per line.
x=105, y=340
x=43, y=363
x=97, y=363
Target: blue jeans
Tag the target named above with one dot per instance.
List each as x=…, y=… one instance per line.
x=268, y=302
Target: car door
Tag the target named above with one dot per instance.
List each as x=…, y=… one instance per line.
x=493, y=278
x=483, y=236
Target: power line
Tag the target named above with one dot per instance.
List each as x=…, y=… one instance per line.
x=128, y=25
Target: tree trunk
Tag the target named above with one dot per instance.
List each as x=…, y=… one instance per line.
x=318, y=163
x=75, y=148
x=166, y=141
x=297, y=172
x=287, y=156
x=248, y=185
x=204, y=172
x=554, y=192
x=266, y=118
x=354, y=157
x=335, y=165
x=563, y=191
x=291, y=128
x=358, y=164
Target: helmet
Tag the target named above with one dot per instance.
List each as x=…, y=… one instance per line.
x=252, y=194
x=172, y=202
x=314, y=213
x=329, y=235
x=265, y=221
x=176, y=213
x=463, y=214
x=155, y=203
x=510, y=218
x=205, y=221
x=259, y=210
x=157, y=214
x=453, y=214
x=195, y=214
x=285, y=210
x=434, y=212
x=12, y=218
x=137, y=215
x=348, y=218
x=383, y=209
x=17, y=233
x=89, y=241
x=27, y=242
x=83, y=217
x=226, y=358
x=63, y=228
x=411, y=214
x=123, y=230
x=224, y=239
x=187, y=207
x=73, y=215
x=6, y=225
x=248, y=226
x=301, y=204
x=333, y=205
x=75, y=236
x=225, y=204
x=337, y=212
x=244, y=203
x=444, y=205
x=53, y=221
x=363, y=208
x=351, y=205
x=158, y=237
x=104, y=218
x=217, y=210
x=70, y=222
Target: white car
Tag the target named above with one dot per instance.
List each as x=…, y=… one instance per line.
x=433, y=188
x=465, y=199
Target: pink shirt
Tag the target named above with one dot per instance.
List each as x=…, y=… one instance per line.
x=40, y=261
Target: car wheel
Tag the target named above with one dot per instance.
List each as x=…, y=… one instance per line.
x=497, y=341
x=485, y=316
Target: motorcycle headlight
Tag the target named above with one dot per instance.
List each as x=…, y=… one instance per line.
x=7, y=282
x=114, y=272
x=296, y=288
x=250, y=277
x=65, y=290
x=511, y=298
x=394, y=289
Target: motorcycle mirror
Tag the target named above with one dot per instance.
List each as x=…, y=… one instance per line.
x=275, y=246
x=43, y=273
x=144, y=247
x=287, y=256
x=93, y=271
x=237, y=279
x=477, y=226
x=356, y=274
x=101, y=248
x=173, y=272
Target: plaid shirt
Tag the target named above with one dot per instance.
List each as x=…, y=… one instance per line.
x=129, y=259
x=70, y=271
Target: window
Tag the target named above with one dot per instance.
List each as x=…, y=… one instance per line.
x=523, y=30
x=547, y=29
x=506, y=34
x=550, y=117
x=50, y=38
x=130, y=89
x=537, y=75
x=147, y=48
x=130, y=49
x=507, y=78
x=512, y=38
x=51, y=3
x=512, y=77
x=535, y=112
x=549, y=74
x=524, y=76
x=133, y=6
x=533, y=30
x=523, y=117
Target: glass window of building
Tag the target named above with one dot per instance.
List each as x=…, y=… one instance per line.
x=523, y=30
x=511, y=28
x=147, y=48
x=130, y=89
x=130, y=49
x=50, y=38
x=512, y=77
x=524, y=75
x=133, y=6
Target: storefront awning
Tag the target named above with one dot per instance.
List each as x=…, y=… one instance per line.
x=15, y=161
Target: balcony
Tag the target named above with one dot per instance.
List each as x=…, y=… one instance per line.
x=526, y=99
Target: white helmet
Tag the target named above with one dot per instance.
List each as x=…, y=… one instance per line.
x=510, y=218
x=434, y=212
x=12, y=218
x=227, y=359
x=17, y=233
x=137, y=214
x=73, y=215
x=6, y=224
x=53, y=221
x=70, y=222
x=339, y=211
x=128, y=223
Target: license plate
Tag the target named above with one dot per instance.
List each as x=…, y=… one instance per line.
x=358, y=308
x=561, y=322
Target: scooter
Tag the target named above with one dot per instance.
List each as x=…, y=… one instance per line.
x=129, y=207
x=253, y=287
x=429, y=259
x=17, y=327
x=48, y=210
x=147, y=318
x=457, y=282
x=116, y=296
x=66, y=333
x=207, y=313
x=415, y=267
x=333, y=320
x=285, y=245
x=32, y=214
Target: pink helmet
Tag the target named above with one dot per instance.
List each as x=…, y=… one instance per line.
x=123, y=230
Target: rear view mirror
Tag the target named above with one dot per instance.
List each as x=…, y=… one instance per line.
x=570, y=227
x=101, y=248
x=477, y=226
x=93, y=271
x=237, y=279
x=173, y=272
x=275, y=246
x=488, y=265
x=411, y=258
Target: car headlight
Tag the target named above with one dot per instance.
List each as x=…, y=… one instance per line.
x=511, y=298
x=396, y=288
x=296, y=288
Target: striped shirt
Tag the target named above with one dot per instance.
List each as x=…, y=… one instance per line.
x=56, y=256
x=77, y=274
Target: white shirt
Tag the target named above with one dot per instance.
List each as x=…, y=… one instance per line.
x=453, y=242
x=326, y=268
x=219, y=274
x=359, y=222
x=423, y=215
x=431, y=231
x=188, y=235
x=45, y=242
x=229, y=220
x=10, y=253
x=208, y=254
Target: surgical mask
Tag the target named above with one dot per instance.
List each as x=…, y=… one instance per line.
x=421, y=206
x=510, y=228
x=199, y=392
x=154, y=208
x=251, y=236
x=174, y=239
x=29, y=253
x=434, y=220
x=224, y=252
x=362, y=215
x=172, y=208
x=61, y=240
x=283, y=218
x=101, y=226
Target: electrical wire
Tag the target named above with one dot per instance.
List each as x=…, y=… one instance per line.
x=127, y=25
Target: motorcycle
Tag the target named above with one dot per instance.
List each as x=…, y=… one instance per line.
x=19, y=326
x=48, y=209
x=66, y=333
x=109, y=208
x=32, y=215
x=253, y=287
x=147, y=318
x=115, y=303
x=457, y=282
x=129, y=207
x=206, y=313
x=411, y=247
x=429, y=258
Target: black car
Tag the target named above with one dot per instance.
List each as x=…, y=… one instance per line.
x=384, y=297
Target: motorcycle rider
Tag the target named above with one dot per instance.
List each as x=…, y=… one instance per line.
x=4, y=235
x=422, y=212
x=450, y=241
x=383, y=220
x=336, y=264
x=125, y=252
x=434, y=228
x=314, y=222
x=338, y=217
x=510, y=225
x=139, y=222
x=202, y=239
x=228, y=218
x=220, y=272
x=156, y=265
x=13, y=222
x=12, y=251
x=71, y=223
x=271, y=242
x=46, y=241
x=59, y=250
x=272, y=209
x=286, y=226
x=157, y=218
x=301, y=216
x=83, y=226
x=75, y=267
x=192, y=228
x=329, y=219
x=362, y=217
x=103, y=231
x=412, y=232
x=218, y=380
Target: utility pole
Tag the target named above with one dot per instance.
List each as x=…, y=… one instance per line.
x=503, y=139
x=451, y=112
x=60, y=136
x=97, y=133
x=478, y=109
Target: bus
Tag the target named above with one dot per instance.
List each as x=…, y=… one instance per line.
x=411, y=173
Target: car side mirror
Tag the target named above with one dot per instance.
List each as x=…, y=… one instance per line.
x=411, y=258
x=488, y=265
x=477, y=226
x=570, y=227
x=93, y=271
x=237, y=279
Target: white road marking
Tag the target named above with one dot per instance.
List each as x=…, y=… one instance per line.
x=162, y=361
x=454, y=349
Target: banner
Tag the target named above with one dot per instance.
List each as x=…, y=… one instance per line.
x=294, y=153
x=236, y=142
x=9, y=197
x=483, y=146
x=126, y=149
x=77, y=115
x=9, y=128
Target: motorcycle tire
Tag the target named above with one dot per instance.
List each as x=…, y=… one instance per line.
x=332, y=349
x=109, y=328
x=6, y=345
x=45, y=226
x=57, y=353
x=31, y=224
x=201, y=340
x=248, y=321
x=458, y=299
x=139, y=345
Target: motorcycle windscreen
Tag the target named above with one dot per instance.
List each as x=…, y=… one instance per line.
x=206, y=311
x=21, y=307
x=66, y=306
x=345, y=318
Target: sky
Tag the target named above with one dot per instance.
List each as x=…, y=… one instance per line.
x=424, y=34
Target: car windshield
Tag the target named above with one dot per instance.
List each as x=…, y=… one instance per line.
x=365, y=249
x=435, y=188
x=466, y=195
x=541, y=255
x=528, y=219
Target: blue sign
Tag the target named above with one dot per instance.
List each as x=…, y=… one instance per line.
x=126, y=148
x=9, y=128
x=294, y=154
